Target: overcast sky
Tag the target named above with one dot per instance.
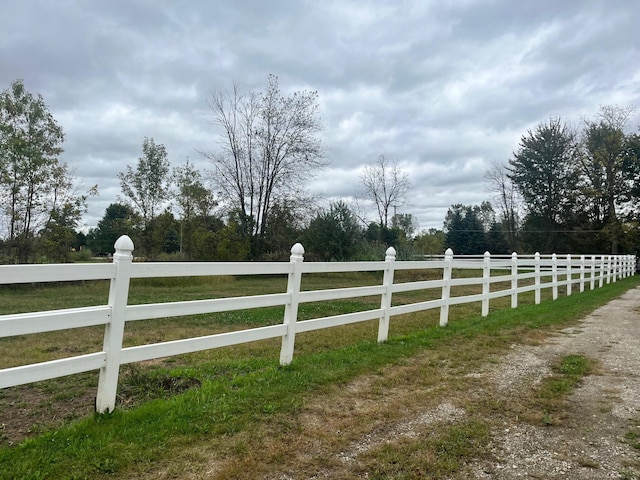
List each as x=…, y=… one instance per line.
x=444, y=87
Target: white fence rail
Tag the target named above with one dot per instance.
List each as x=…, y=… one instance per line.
x=525, y=273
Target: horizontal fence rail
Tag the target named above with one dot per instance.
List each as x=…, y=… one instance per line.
x=520, y=274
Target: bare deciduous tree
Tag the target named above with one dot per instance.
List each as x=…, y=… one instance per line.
x=386, y=185
x=269, y=149
x=507, y=200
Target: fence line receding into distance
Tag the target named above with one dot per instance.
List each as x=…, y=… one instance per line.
x=520, y=273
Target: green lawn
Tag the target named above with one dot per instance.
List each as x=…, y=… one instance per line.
x=222, y=393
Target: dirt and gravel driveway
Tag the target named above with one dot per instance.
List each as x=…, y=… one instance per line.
x=600, y=413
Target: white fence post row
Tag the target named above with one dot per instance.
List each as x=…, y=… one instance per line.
x=614, y=268
x=569, y=276
x=385, y=300
x=537, y=277
x=582, y=268
x=601, y=271
x=446, y=288
x=114, y=330
x=554, y=276
x=625, y=266
x=291, y=308
x=514, y=280
x=486, y=276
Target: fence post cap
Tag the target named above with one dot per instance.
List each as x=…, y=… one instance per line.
x=487, y=254
x=297, y=251
x=124, y=245
x=514, y=255
x=448, y=253
x=390, y=253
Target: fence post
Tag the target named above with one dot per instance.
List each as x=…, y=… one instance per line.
x=291, y=308
x=446, y=288
x=609, y=269
x=537, y=277
x=114, y=330
x=592, y=280
x=569, y=276
x=385, y=301
x=615, y=264
x=554, y=276
x=486, y=275
x=602, y=271
x=582, y=266
x=514, y=280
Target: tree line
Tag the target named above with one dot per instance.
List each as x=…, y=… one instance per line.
x=562, y=190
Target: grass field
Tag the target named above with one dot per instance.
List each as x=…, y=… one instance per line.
x=231, y=399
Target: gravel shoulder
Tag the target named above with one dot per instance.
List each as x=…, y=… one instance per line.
x=605, y=407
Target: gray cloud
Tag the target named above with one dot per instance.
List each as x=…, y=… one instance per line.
x=445, y=88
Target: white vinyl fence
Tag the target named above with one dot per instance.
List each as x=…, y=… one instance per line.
x=521, y=274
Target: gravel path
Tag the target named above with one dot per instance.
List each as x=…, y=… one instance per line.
x=606, y=406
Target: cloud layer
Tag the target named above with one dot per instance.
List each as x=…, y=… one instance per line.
x=444, y=88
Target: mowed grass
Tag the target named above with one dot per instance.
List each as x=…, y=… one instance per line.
x=219, y=394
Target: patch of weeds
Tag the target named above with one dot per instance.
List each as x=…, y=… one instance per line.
x=626, y=475
x=632, y=437
x=138, y=384
x=107, y=465
x=588, y=463
x=553, y=391
x=428, y=456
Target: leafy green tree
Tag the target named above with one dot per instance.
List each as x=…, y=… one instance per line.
x=271, y=149
x=464, y=230
x=195, y=204
x=606, y=161
x=58, y=239
x=284, y=228
x=495, y=240
x=406, y=223
x=119, y=219
x=382, y=237
x=231, y=243
x=333, y=234
x=35, y=186
x=147, y=187
x=165, y=230
x=545, y=170
x=430, y=242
